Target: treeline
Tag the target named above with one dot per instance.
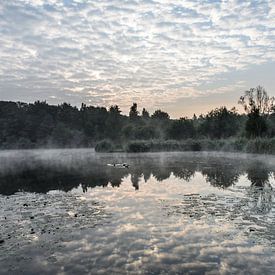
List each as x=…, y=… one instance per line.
x=39, y=124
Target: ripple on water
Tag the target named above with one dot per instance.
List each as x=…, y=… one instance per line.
x=166, y=214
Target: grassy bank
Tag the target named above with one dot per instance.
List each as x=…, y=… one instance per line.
x=258, y=145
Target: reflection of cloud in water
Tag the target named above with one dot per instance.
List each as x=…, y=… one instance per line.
x=216, y=208
x=30, y=222
x=177, y=220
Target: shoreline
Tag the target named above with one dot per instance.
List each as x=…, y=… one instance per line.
x=260, y=148
x=240, y=145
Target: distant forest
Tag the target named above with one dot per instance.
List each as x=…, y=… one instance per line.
x=38, y=124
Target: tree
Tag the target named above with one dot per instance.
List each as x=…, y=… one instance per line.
x=258, y=105
x=133, y=114
x=114, y=110
x=158, y=114
x=113, y=123
x=145, y=132
x=181, y=129
x=145, y=114
x=93, y=121
x=128, y=131
x=68, y=115
x=256, y=125
x=219, y=123
x=61, y=135
x=257, y=100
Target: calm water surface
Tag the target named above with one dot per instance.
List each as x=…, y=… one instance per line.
x=68, y=212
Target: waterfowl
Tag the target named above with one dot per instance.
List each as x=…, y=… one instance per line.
x=119, y=165
x=126, y=165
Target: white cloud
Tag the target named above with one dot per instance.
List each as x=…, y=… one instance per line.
x=119, y=51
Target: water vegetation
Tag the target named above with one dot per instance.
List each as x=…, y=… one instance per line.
x=40, y=125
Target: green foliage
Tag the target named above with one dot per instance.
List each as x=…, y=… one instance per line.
x=271, y=125
x=163, y=145
x=104, y=146
x=219, y=123
x=41, y=125
x=145, y=114
x=137, y=147
x=258, y=105
x=145, y=132
x=196, y=146
x=113, y=123
x=114, y=110
x=133, y=114
x=261, y=146
x=158, y=114
x=181, y=129
x=256, y=125
x=239, y=144
x=128, y=132
x=257, y=100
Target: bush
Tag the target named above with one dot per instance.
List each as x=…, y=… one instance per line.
x=261, y=146
x=196, y=146
x=138, y=146
x=239, y=144
x=104, y=146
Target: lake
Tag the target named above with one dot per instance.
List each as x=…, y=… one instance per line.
x=69, y=212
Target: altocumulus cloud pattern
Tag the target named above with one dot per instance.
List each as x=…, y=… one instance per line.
x=106, y=51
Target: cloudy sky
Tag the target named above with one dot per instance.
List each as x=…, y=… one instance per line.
x=181, y=56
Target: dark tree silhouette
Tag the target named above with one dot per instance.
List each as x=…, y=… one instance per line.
x=257, y=99
x=258, y=105
x=158, y=114
x=133, y=114
x=181, y=129
x=256, y=125
x=145, y=114
x=220, y=123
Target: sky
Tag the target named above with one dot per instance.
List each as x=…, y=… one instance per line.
x=181, y=56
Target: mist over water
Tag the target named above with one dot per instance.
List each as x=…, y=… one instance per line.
x=67, y=211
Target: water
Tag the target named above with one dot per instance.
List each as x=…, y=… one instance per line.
x=68, y=212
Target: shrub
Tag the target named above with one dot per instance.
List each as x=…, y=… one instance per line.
x=261, y=146
x=239, y=144
x=104, y=146
x=196, y=146
x=137, y=146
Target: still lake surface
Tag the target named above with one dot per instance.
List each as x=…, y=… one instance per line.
x=68, y=212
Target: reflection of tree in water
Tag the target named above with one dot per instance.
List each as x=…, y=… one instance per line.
x=261, y=198
x=135, y=179
x=116, y=182
x=221, y=175
x=146, y=174
x=261, y=192
x=186, y=172
x=43, y=177
x=161, y=173
x=258, y=174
